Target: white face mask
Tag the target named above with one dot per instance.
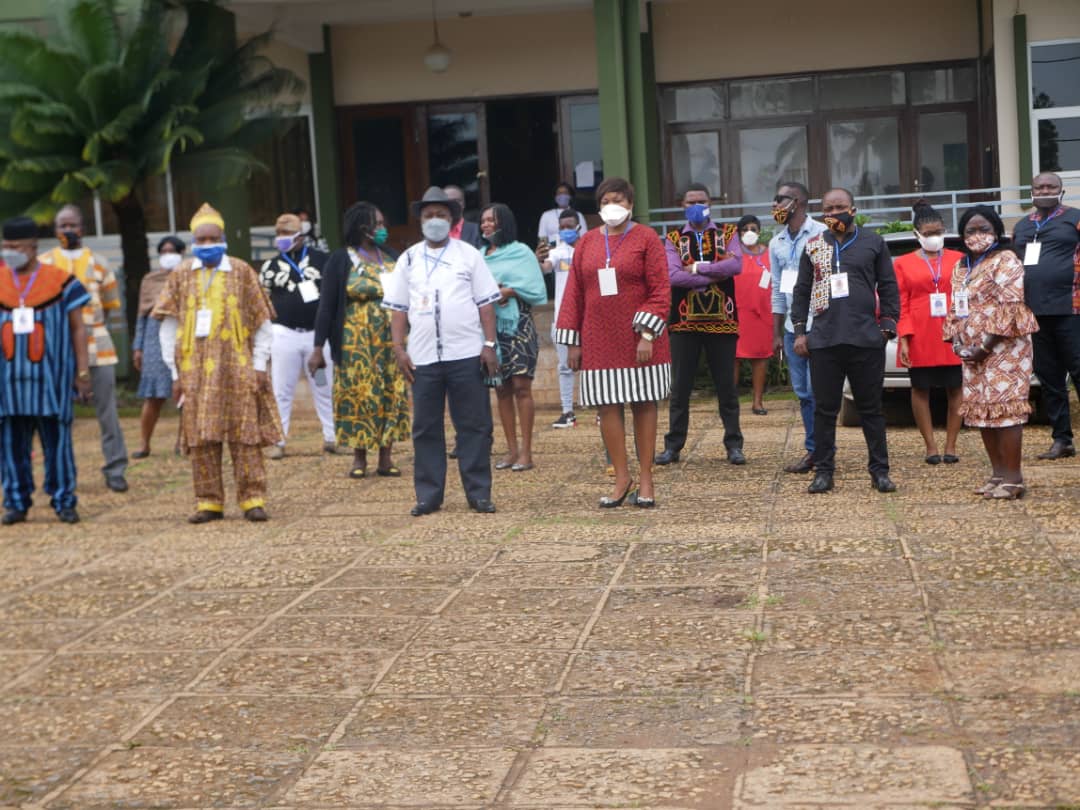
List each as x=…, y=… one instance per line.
x=169, y=261
x=435, y=229
x=614, y=215
x=931, y=244
x=749, y=238
x=305, y=227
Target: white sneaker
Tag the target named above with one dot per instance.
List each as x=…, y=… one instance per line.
x=567, y=420
x=277, y=452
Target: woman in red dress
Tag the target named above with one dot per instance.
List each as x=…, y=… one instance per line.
x=612, y=317
x=925, y=280
x=753, y=295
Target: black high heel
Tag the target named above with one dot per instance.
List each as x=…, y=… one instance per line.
x=610, y=503
x=642, y=503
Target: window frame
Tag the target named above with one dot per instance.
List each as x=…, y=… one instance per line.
x=1048, y=113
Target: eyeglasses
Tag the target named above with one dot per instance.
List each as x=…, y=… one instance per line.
x=781, y=199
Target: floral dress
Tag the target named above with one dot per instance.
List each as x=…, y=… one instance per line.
x=371, y=404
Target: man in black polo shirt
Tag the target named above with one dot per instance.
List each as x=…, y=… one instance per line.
x=843, y=275
x=1048, y=242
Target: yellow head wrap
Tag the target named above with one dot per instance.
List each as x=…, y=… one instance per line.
x=207, y=216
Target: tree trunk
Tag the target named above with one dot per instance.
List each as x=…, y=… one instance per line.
x=129, y=213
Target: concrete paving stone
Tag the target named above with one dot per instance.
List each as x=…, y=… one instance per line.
x=660, y=672
x=50, y=604
x=458, y=521
x=789, y=630
x=784, y=548
x=399, y=550
x=899, y=721
x=359, y=508
x=986, y=629
x=1038, y=721
x=1016, y=594
x=864, y=570
x=840, y=595
x=729, y=630
x=530, y=601
x=953, y=547
x=269, y=573
x=422, y=778
x=167, y=634
x=290, y=673
x=1000, y=672
x=82, y=721
x=42, y=635
x=837, y=671
x=990, y=527
x=414, y=576
x=1007, y=777
x=665, y=543
x=278, y=723
x=478, y=672
x=693, y=571
x=480, y=722
x=178, y=777
x=855, y=775
x=373, y=601
x=996, y=567
x=553, y=575
x=484, y=633
x=644, y=722
x=27, y=773
x=588, y=532
x=118, y=674
x=335, y=632
x=568, y=551
x=217, y=604
x=674, y=600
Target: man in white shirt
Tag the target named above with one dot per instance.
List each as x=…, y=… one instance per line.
x=558, y=263
x=441, y=293
x=548, y=228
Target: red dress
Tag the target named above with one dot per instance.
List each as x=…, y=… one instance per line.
x=755, y=308
x=606, y=327
x=916, y=280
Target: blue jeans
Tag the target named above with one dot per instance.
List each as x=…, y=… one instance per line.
x=799, y=370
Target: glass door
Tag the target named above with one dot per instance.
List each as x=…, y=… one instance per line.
x=457, y=152
x=766, y=156
x=944, y=160
x=864, y=155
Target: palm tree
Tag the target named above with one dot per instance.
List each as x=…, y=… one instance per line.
x=103, y=104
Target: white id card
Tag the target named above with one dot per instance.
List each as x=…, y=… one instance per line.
x=203, y=319
x=960, y=303
x=608, y=284
x=308, y=291
x=765, y=280
x=22, y=320
x=384, y=281
x=423, y=302
x=787, y=281
x=1032, y=250
x=939, y=306
x=838, y=284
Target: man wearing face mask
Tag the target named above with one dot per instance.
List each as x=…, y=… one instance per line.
x=94, y=274
x=215, y=338
x=548, y=230
x=1048, y=242
x=293, y=280
x=309, y=231
x=441, y=295
x=45, y=355
x=843, y=275
x=785, y=251
x=703, y=260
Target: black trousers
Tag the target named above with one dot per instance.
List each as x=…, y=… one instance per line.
x=1057, y=357
x=865, y=368
x=461, y=384
x=686, y=348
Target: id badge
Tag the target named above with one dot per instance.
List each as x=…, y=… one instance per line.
x=203, y=320
x=787, y=281
x=939, y=306
x=839, y=285
x=608, y=284
x=423, y=302
x=22, y=320
x=308, y=291
x=564, y=266
x=765, y=280
x=960, y=303
x=1032, y=251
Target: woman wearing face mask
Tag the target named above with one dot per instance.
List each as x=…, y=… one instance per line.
x=925, y=280
x=753, y=293
x=613, y=317
x=990, y=328
x=547, y=233
x=521, y=283
x=155, y=380
x=371, y=405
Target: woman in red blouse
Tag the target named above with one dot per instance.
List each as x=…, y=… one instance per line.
x=612, y=317
x=925, y=279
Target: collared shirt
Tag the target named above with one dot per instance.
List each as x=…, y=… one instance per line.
x=94, y=274
x=785, y=252
x=282, y=282
x=442, y=290
x=1052, y=287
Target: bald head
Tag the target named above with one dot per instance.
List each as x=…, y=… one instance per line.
x=1046, y=191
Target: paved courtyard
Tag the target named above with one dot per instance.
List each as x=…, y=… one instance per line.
x=742, y=646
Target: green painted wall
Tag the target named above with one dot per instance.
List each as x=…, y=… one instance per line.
x=326, y=151
x=1023, y=95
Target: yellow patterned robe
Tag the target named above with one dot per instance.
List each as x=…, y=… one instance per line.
x=222, y=402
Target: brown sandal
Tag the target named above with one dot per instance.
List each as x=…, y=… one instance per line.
x=1006, y=492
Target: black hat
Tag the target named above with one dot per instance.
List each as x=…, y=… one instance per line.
x=20, y=228
x=437, y=195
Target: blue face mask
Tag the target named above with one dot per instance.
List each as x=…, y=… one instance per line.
x=697, y=214
x=210, y=255
x=569, y=235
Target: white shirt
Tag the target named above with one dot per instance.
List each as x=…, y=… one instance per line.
x=560, y=257
x=442, y=290
x=549, y=224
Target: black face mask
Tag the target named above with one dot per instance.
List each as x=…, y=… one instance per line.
x=69, y=240
x=839, y=223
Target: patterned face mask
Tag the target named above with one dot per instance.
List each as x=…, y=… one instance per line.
x=840, y=222
x=782, y=215
x=979, y=243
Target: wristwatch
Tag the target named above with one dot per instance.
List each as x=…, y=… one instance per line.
x=489, y=344
x=83, y=375
x=649, y=336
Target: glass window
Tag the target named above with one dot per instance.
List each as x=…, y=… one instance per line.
x=855, y=90
x=454, y=153
x=379, y=147
x=586, y=150
x=695, y=158
x=943, y=152
x=942, y=86
x=702, y=103
x=775, y=97
x=768, y=156
x=864, y=156
x=1059, y=144
x=288, y=184
x=1055, y=75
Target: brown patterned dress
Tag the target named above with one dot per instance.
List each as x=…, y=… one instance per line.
x=995, y=390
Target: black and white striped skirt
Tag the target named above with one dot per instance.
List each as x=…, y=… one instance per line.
x=614, y=386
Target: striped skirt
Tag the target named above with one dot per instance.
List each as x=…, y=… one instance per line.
x=614, y=386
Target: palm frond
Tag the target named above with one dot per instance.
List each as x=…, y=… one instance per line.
x=90, y=30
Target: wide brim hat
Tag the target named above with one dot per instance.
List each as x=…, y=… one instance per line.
x=436, y=195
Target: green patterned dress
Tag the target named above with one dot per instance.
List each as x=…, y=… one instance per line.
x=371, y=403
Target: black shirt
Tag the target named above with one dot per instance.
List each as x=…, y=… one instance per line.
x=281, y=280
x=1049, y=285
x=852, y=320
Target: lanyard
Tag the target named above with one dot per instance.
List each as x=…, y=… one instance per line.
x=841, y=248
x=700, y=245
x=1039, y=223
x=438, y=260
x=24, y=291
x=935, y=277
x=209, y=283
x=971, y=267
x=293, y=265
x=377, y=258
x=757, y=260
x=607, y=244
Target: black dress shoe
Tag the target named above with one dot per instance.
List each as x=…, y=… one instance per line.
x=803, y=465
x=882, y=483
x=667, y=457
x=423, y=508
x=736, y=457
x=822, y=483
x=1059, y=449
x=483, y=506
x=256, y=514
x=13, y=516
x=68, y=515
x=117, y=483
x=205, y=516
